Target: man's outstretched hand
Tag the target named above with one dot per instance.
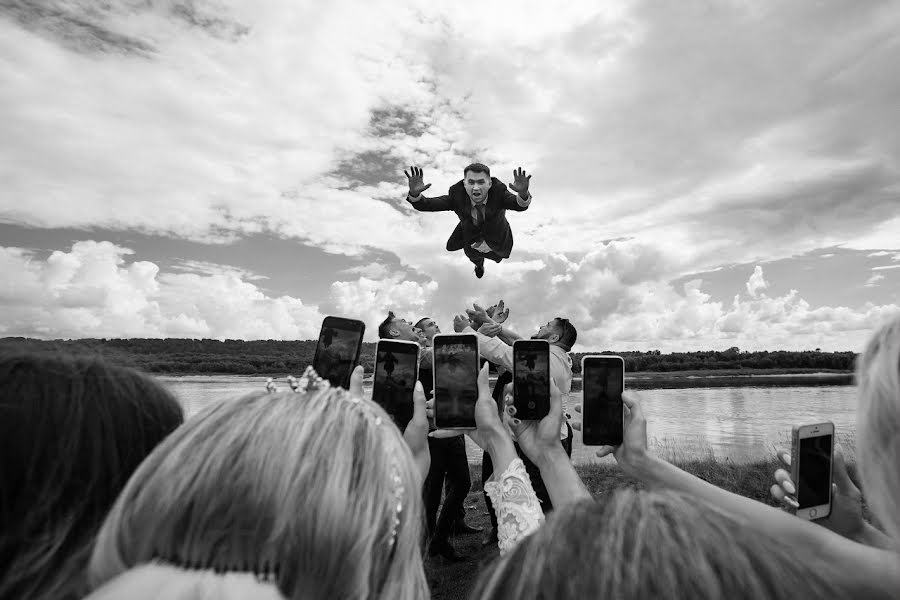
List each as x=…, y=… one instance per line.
x=417, y=181
x=519, y=184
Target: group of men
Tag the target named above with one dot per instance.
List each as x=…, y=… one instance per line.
x=449, y=462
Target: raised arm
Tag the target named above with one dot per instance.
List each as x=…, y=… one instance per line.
x=521, y=200
x=417, y=185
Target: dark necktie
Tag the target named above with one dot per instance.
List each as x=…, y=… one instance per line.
x=479, y=211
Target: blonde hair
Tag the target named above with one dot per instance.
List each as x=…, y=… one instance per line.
x=642, y=544
x=878, y=424
x=299, y=486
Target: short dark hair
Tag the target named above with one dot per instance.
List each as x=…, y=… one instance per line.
x=567, y=333
x=419, y=322
x=384, y=330
x=74, y=429
x=477, y=168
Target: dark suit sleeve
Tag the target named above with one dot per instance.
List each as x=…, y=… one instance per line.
x=435, y=204
x=511, y=202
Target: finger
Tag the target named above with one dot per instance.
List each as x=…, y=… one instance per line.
x=419, y=404
x=783, y=479
x=840, y=475
x=576, y=425
x=484, y=381
x=511, y=411
x=405, y=173
x=779, y=495
x=508, y=390
x=784, y=457
x=604, y=451
x=356, y=381
x=439, y=434
x=426, y=187
x=578, y=408
x=632, y=404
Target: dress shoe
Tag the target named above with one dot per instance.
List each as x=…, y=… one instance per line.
x=445, y=550
x=490, y=538
x=463, y=528
x=479, y=271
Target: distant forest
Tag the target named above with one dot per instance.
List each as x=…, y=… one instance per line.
x=177, y=356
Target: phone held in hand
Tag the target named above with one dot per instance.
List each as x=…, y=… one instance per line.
x=396, y=373
x=531, y=379
x=456, y=363
x=602, y=410
x=337, y=352
x=812, y=453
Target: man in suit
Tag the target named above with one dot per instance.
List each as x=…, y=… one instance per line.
x=480, y=201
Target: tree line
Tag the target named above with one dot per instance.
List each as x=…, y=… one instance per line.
x=181, y=356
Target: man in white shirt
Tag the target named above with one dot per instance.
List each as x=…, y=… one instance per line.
x=561, y=335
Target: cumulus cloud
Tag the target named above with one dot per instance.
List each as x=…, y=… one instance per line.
x=96, y=290
x=757, y=281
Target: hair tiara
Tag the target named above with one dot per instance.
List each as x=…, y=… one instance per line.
x=311, y=382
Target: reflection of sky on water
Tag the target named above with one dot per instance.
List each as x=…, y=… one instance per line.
x=738, y=423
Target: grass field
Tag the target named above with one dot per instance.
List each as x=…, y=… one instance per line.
x=453, y=581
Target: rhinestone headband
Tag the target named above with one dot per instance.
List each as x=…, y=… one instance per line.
x=311, y=382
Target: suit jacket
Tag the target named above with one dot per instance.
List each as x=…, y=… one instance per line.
x=495, y=230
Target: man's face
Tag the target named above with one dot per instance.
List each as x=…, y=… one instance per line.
x=477, y=186
x=429, y=328
x=406, y=331
x=547, y=332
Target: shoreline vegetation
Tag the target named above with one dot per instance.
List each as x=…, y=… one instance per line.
x=454, y=581
x=278, y=358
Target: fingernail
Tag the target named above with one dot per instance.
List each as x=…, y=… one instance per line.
x=517, y=421
x=792, y=502
x=789, y=487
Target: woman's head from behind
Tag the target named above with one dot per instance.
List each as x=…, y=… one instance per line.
x=643, y=545
x=878, y=424
x=315, y=490
x=72, y=431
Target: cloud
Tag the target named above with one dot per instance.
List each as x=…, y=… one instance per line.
x=95, y=290
x=874, y=279
x=756, y=281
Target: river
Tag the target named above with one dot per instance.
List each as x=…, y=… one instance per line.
x=738, y=423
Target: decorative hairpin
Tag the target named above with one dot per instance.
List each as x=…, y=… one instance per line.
x=311, y=382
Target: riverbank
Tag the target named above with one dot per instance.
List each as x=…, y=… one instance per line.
x=454, y=581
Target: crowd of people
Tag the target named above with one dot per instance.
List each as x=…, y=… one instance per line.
x=107, y=492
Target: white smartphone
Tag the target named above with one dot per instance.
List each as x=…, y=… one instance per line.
x=812, y=452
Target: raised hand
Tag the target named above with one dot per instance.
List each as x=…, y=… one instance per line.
x=846, y=516
x=490, y=329
x=632, y=453
x=417, y=181
x=520, y=182
x=478, y=315
x=537, y=438
x=460, y=322
x=498, y=312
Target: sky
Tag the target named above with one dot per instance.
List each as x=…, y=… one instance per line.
x=704, y=174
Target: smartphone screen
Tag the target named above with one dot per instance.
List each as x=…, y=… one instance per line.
x=814, y=485
x=396, y=372
x=602, y=409
x=338, y=349
x=531, y=379
x=455, y=380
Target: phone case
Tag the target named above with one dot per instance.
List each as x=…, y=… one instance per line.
x=435, y=342
x=804, y=513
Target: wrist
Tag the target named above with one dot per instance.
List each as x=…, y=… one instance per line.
x=548, y=456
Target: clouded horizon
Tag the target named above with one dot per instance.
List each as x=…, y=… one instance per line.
x=705, y=175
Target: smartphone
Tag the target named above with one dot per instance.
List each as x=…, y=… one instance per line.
x=812, y=452
x=603, y=414
x=456, y=363
x=396, y=373
x=531, y=379
x=337, y=352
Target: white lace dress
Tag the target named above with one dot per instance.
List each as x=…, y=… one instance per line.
x=518, y=509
